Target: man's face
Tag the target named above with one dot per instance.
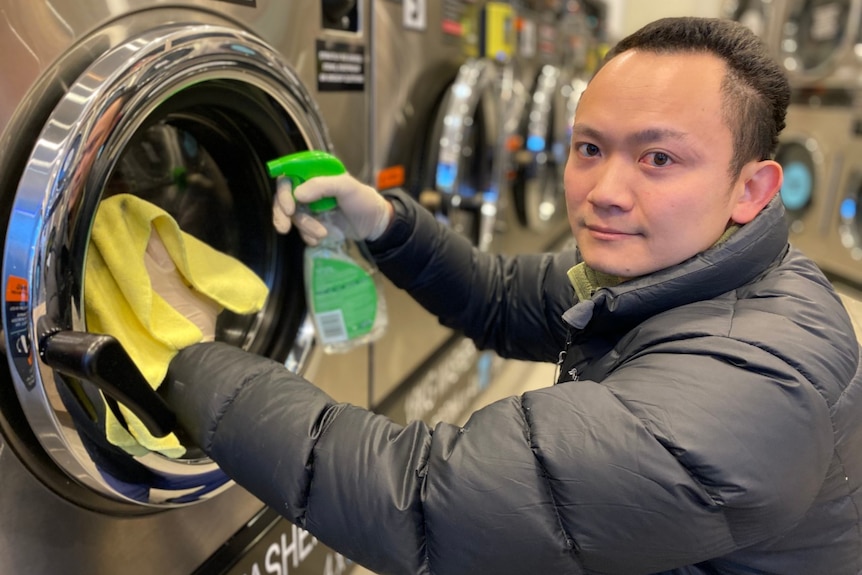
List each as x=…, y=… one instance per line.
x=647, y=180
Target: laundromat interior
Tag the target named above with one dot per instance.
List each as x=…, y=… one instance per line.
x=466, y=105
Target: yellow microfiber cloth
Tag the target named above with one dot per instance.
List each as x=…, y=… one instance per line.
x=123, y=300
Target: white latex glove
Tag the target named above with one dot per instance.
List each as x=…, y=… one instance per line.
x=168, y=283
x=367, y=211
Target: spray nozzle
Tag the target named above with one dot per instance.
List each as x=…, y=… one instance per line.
x=302, y=166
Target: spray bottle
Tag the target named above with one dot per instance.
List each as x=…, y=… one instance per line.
x=342, y=284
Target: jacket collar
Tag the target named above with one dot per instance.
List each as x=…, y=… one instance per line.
x=722, y=268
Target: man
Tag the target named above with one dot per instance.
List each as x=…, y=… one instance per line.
x=708, y=418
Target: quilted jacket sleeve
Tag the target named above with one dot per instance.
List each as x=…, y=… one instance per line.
x=576, y=478
x=512, y=305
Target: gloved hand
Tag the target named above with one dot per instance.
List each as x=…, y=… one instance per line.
x=168, y=283
x=364, y=208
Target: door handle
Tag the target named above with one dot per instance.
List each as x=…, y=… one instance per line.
x=102, y=360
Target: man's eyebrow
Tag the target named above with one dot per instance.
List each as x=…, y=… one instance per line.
x=646, y=136
x=651, y=135
x=584, y=131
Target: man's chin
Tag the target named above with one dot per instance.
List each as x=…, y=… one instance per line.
x=609, y=268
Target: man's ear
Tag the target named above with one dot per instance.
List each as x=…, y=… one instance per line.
x=761, y=181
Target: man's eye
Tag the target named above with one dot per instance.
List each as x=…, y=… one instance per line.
x=588, y=150
x=659, y=159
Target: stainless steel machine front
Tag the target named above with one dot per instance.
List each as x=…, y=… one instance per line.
x=181, y=105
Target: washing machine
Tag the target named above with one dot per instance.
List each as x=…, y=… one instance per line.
x=181, y=104
x=436, y=133
x=814, y=150
x=841, y=256
x=818, y=42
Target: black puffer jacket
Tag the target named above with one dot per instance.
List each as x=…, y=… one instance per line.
x=715, y=427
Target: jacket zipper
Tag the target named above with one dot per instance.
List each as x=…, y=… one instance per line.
x=562, y=358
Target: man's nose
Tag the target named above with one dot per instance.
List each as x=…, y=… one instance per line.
x=613, y=185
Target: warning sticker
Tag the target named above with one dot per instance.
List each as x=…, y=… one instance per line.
x=16, y=289
x=17, y=328
x=390, y=177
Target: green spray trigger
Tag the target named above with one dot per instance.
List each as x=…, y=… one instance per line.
x=302, y=166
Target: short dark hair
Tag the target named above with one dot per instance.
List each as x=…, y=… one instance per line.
x=755, y=90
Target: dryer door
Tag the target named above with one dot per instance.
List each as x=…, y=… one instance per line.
x=464, y=159
x=184, y=117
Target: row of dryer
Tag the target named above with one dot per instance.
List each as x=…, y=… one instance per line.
x=463, y=103
x=819, y=44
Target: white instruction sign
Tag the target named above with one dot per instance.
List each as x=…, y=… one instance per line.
x=340, y=66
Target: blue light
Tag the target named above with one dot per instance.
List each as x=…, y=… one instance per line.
x=243, y=49
x=560, y=150
x=484, y=370
x=466, y=191
x=535, y=143
x=797, y=187
x=848, y=209
x=446, y=177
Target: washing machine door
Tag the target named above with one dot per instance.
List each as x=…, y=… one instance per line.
x=464, y=154
x=537, y=185
x=184, y=117
x=816, y=35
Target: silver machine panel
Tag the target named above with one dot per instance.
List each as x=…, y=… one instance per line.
x=182, y=105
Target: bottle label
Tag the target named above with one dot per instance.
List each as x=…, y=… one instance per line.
x=344, y=299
